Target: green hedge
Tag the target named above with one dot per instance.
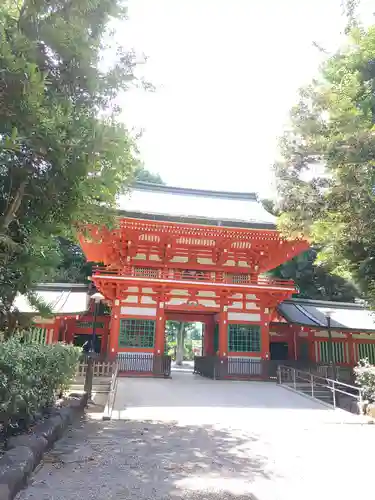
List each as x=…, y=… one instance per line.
x=365, y=378
x=31, y=376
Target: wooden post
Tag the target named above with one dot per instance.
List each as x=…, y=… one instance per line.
x=114, y=329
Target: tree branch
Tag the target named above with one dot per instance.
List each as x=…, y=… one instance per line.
x=14, y=206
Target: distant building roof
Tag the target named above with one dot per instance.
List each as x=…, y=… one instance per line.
x=312, y=313
x=158, y=202
x=62, y=298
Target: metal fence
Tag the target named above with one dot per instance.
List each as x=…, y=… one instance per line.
x=247, y=368
x=144, y=364
x=334, y=392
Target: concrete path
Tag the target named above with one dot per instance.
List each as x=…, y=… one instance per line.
x=194, y=438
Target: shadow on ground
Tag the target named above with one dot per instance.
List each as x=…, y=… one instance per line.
x=149, y=460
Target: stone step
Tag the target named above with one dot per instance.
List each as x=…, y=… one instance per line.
x=102, y=388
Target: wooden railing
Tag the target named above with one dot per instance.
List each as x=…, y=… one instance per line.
x=189, y=275
x=100, y=368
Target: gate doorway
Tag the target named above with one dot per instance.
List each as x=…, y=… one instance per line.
x=279, y=351
x=188, y=335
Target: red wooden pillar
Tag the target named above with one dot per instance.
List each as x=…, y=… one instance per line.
x=114, y=329
x=56, y=329
x=351, y=358
x=223, y=331
x=208, y=340
x=160, y=329
x=265, y=334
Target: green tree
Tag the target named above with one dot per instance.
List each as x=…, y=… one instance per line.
x=326, y=178
x=313, y=280
x=63, y=155
x=142, y=174
x=72, y=266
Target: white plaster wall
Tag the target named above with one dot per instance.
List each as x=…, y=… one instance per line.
x=180, y=292
x=234, y=316
x=205, y=260
x=207, y=303
x=145, y=299
x=132, y=299
x=324, y=334
x=252, y=305
x=236, y=305
x=207, y=293
x=154, y=257
x=364, y=336
x=138, y=311
x=180, y=258
x=140, y=256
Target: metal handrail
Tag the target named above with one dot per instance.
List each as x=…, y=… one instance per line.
x=314, y=382
x=111, y=395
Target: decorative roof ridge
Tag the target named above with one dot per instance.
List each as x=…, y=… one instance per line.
x=161, y=188
x=60, y=286
x=328, y=303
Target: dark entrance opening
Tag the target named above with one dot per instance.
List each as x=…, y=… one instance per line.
x=80, y=339
x=279, y=351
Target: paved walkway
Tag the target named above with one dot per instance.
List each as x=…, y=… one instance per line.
x=194, y=438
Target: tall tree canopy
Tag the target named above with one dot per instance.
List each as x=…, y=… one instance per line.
x=63, y=155
x=326, y=179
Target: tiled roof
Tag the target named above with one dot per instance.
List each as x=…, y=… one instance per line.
x=344, y=316
x=157, y=202
x=62, y=298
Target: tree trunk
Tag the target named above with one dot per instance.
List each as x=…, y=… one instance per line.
x=180, y=345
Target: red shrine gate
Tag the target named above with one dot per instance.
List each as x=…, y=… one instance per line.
x=154, y=269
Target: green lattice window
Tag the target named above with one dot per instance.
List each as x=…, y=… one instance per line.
x=367, y=351
x=136, y=333
x=244, y=338
x=338, y=352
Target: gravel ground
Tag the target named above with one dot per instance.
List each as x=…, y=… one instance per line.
x=197, y=439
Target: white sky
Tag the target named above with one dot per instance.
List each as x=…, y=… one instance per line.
x=226, y=73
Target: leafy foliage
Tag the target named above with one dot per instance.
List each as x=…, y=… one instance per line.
x=365, y=378
x=314, y=281
x=326, y=179
x=63, y=155
x=31, y=375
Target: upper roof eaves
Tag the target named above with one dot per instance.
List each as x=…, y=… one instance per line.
x=200, y=206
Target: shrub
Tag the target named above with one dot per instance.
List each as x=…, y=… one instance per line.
x=365, y=378
x=31, y=376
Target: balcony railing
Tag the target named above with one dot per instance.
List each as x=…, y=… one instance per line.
x=190, y=275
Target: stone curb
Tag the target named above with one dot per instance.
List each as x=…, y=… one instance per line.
x=25, y=452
